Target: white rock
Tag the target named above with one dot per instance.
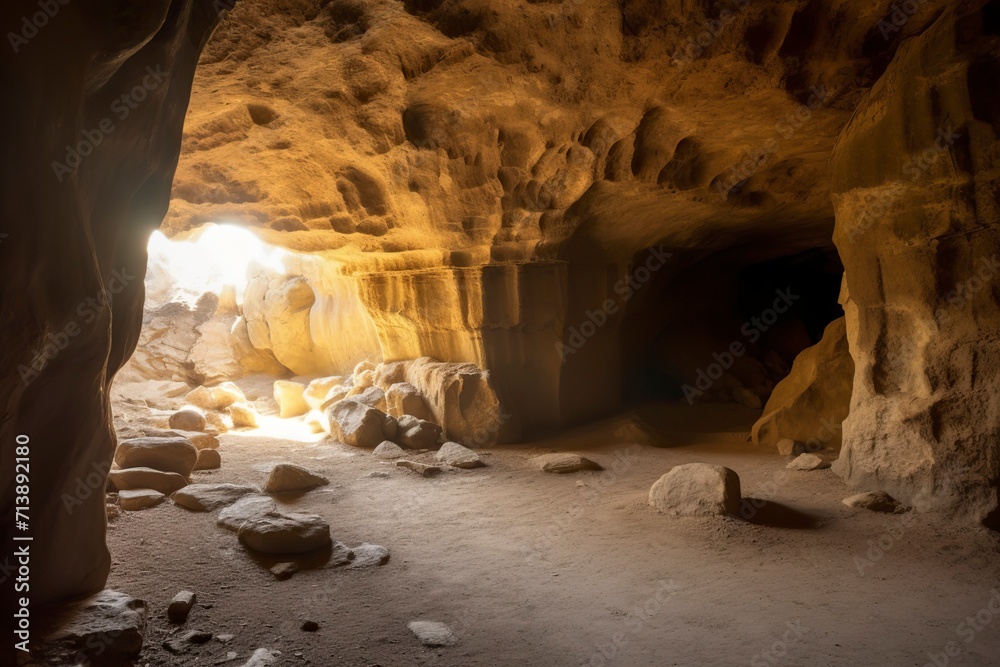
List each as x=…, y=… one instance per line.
x=187, y=420
x=217, y=397
x=262, y=657
x=278, y=533
x=316, y=393
x=289, y=397
x=368, y=555
x=808, y=462
x=286, y=477
x=432, y=633
x=697, y=489
x=243, y=415
x=208, y=497
x=388, y=451
x=249, y=506
x=561, y=463
x=459, y=456
x=166, y=454
x=146, y=478
x=139, y=499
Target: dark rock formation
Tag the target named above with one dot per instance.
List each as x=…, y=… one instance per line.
x=96, y=96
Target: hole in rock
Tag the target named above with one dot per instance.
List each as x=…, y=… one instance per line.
x=730, y=323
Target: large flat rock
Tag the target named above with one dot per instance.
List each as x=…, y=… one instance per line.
x=147, y=478
x=209, y=497
x=248, y=507
x=171, y=454
x=279, y=533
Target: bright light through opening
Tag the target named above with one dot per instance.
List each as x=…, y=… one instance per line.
x=211, y=259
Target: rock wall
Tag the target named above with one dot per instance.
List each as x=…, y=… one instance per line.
x=915, y=177
x=91, y=139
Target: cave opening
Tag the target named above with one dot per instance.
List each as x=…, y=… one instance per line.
x=727, y=327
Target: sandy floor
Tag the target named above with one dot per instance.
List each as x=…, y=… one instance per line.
x=530, y=568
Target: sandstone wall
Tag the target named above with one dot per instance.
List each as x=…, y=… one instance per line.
x=915, y=177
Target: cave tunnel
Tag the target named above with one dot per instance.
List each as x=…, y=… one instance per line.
x=728, y=324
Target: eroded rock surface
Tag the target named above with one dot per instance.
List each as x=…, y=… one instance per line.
x=918, y=232
x=811, y=403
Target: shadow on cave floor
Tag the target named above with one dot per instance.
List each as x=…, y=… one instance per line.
x=775, y=515
x=661, y=424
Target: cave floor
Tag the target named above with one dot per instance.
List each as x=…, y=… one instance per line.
x=530, y=568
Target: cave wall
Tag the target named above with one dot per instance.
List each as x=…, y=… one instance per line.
x=91, y=138
x=915, y=178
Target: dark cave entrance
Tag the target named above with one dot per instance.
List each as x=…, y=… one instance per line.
x=727, y=325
